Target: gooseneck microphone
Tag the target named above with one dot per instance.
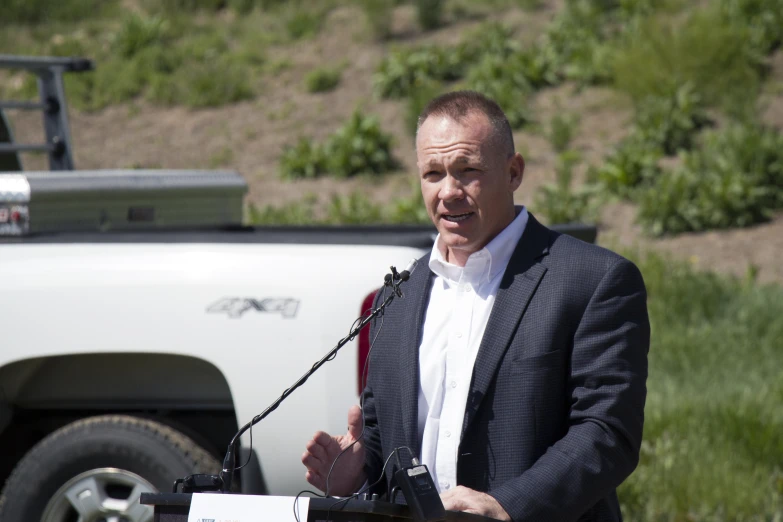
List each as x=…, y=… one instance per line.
x=199, y=482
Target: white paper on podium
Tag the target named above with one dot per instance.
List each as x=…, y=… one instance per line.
x=215, y=507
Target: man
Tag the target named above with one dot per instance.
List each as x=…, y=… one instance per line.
x=515, y=367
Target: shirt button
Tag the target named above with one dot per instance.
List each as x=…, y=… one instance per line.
x=447, y=434
x=459, y=335
x=467, y=289
x=445, y=485
x=453, y=384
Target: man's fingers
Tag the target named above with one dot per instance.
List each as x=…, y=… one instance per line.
x=324, y=439
x=311, y=462
x=317, y=451
x=355, y=422
x=315, y=479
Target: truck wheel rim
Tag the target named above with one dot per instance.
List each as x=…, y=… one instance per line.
x=100, y=495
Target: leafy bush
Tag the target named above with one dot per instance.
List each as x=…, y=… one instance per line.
x=633, y=163
x=671, y=122
x=734, y=180
x=506, y=85
x=559, y=202
x=138, y=33
x=561, y=130
x=303, y=22
x=15, y=12
x=417, y=100
x=379, y=16
x=429, y=13
x=404, y=71
x=575, y=43
x=761, y=19
x=303, y=160
x=359, y=147
x=712, y=448
x=322, y=79
x=355, y=208
x=705, y=52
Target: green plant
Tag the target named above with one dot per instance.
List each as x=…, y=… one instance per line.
x=379, y=17
x=712, y=448
x=303, y=160
x=632, y=164
x=138, y=33
x=303, y=22
x=404, y=71
x=561, y=130
x=429, y=13
x=15, y=12
x=322, y=79
x=507, y=86
x=671, y=122
x=761, y=19
x=211, y=84
x=705, y=52
x=734, y=180
x=416, y=102
x=560, y=202
x=359, y=147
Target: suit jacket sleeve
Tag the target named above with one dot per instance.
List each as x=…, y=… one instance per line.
x=607, y=394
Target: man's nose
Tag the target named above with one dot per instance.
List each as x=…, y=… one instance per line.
x=451, y=189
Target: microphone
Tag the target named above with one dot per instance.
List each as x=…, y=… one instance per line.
x=222, y=482
x=406, y=274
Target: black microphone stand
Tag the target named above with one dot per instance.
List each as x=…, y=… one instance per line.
x=222, y=482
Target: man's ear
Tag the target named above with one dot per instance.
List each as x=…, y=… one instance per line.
x=516, y=170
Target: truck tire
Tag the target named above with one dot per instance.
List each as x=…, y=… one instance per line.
x=96, y=468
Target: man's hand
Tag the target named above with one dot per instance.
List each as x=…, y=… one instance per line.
x=472, y=501
x=348, y=474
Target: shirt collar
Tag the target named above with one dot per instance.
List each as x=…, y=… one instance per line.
x=487, y=263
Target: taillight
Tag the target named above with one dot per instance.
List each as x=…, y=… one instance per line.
x=364, y=340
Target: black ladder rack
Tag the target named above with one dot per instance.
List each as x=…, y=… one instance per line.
x=52, y=104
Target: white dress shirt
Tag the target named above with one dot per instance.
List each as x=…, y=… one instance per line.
x=460, y=302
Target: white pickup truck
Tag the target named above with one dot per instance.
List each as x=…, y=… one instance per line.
x=141, y=324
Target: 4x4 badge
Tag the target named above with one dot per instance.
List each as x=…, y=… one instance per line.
x=236, y=306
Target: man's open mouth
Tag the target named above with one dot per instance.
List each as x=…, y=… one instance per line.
x=456, y=218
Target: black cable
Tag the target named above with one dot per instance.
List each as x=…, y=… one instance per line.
x=363, y=383
x=366, y=488
x=296, y=501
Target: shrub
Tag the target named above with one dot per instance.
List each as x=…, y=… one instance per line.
x=379, y=16
x=762, y=20
x=359, y=147
x=506, y=85
x=211, y=84
x=15, y=12
x=574, y=44
x=559, y=202
x=303, y=22
x=303, y=160
x=428, y=13
x=633, y=163
x=734, y=180
x=671, y=122
x=404, y=71
x=417, y=100
x=705, y=52
x=322, y=79
x=561, y=130
x=138, y=33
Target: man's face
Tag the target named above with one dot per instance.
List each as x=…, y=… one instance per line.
x=468, y=178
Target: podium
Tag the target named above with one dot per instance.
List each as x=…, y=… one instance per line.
x=174, y=507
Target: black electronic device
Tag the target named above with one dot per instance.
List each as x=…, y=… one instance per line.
x=420, y=493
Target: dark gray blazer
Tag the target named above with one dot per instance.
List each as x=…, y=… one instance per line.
x=553, y=421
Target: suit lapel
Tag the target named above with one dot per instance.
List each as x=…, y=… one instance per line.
x=417, y=292
x=518, y=285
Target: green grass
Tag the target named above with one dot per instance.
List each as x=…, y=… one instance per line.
x=712, y=447
x=322, y=79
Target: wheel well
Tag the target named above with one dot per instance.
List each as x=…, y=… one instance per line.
x=41, y=395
